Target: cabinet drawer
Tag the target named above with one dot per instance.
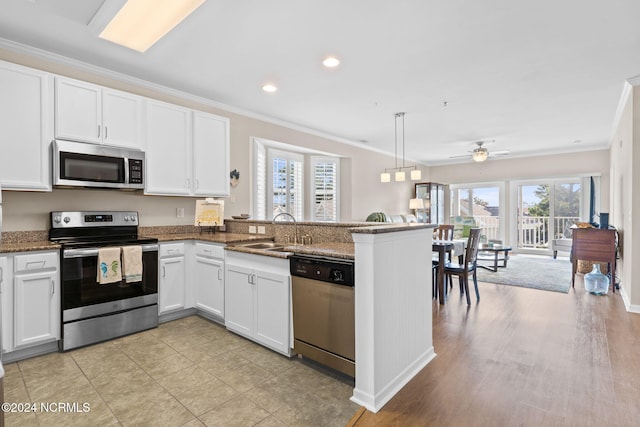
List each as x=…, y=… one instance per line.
x=171, y=249
x=39, y=261
x=209, y=251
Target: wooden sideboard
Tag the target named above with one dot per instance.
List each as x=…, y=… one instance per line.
x=594, y=244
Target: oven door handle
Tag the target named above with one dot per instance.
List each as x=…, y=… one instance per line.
x=90, y=252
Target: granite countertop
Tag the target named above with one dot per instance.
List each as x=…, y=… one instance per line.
x=40, y=245
x=391, y=228
x=220, y=237
x=334, y=250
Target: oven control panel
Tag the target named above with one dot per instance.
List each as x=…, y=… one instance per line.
x=68, y=219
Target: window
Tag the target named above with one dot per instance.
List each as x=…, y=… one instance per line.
x=325, y=189
x=482, y=203
x=285, y=174
x=279, y=182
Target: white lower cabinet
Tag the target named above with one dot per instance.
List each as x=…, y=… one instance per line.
x=171, y=283
x=6, y=301
x=257, y=299
x=209, y=279
x=30, y=300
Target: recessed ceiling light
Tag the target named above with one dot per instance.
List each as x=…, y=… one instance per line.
x=331, y=62
x=269, y=88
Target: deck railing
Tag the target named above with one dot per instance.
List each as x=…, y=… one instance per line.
x=533, y=232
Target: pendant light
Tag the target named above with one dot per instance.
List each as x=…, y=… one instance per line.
x=400, y=175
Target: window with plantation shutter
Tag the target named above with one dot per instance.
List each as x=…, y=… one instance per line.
x=260, y=181
x=279, y=183
x=325, y=188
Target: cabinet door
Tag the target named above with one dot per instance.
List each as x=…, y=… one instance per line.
x=210, y=286
x=6, y=299
x=36, y=309
x=171, y=287
x=168, y=148
x=122, y=119
x=210, y=154
x=26, y=109
x=239, y=300
x=272, y=310
x=78, y=111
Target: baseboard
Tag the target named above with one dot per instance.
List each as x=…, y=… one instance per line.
x=631, y=308
x=174, y=315
x=27, y=353
x=375, y=403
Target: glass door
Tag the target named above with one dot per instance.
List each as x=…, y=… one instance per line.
x=546, y=211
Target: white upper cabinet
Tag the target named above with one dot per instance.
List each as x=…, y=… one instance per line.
x=90, y=113
x=26, y=127
x=168, y=149
x=210, y=154
x=187, y=151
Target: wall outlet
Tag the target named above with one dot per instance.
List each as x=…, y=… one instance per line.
x=180, y=213
x=261, y=229
x=252, y=229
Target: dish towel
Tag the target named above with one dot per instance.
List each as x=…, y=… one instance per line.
x=132, y=263
x=109, y=270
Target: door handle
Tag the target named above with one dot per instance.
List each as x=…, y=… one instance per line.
x=164, y=271
x=219, y=275
x=98, y=131
x=197, y=184
x=53, y=286
x=106, y=130
x=188, y=183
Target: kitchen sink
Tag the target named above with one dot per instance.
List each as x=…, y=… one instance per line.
x=263, y=245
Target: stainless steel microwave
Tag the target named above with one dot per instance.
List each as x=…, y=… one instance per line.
x=79, y=164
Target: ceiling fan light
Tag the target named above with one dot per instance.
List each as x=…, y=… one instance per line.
x=480, y=154
x=385, y=177
x=400, y=176
x=416, y=174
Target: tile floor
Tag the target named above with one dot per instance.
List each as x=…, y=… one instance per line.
x=188, y=372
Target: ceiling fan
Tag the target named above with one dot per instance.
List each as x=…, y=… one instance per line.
x=480, y=153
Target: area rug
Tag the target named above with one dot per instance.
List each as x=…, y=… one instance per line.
x=530, y=271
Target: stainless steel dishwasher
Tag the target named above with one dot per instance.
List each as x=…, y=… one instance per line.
x=323, y=310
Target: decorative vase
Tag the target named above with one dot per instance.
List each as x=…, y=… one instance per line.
x=596, y=282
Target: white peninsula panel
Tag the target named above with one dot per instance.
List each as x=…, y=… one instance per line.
x=393, y=309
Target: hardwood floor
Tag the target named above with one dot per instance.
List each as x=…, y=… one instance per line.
x=524, y=357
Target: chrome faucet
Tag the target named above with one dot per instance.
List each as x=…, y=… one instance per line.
x=295, y=224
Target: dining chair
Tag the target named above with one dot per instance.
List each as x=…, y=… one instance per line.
x=442, y=232
x=467, y=267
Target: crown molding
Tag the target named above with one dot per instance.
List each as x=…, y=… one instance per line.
x=127, y=79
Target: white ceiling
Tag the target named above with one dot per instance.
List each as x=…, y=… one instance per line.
x=534, y=76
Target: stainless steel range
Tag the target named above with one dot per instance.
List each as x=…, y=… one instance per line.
x=94, y=311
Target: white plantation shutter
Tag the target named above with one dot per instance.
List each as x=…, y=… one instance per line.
x=260, y=183
x=285, y=177
x=325, y=189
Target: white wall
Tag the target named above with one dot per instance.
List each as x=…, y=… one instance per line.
x=361, y=193
x=624, y=200
x=508, y=170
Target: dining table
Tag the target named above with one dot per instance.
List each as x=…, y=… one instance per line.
x=442, y=247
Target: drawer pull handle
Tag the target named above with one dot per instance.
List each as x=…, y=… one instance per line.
x=35, y=264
